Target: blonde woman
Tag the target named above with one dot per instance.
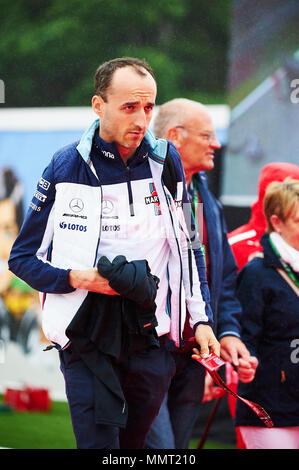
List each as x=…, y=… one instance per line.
x=268, y=289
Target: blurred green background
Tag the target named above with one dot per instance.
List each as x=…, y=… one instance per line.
x=53, y=430
x=49, y=52
x=50, y=49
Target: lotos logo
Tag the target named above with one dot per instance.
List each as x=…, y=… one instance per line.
x=76, y=227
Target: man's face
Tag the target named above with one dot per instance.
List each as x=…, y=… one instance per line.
x=195, y=148
x=126, y=115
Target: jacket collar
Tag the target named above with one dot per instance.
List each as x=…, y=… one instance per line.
x=109, y=151
x=158, y=147
x=270, y=259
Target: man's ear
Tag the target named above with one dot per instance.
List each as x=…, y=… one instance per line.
x=97, y=103
x=175, y=136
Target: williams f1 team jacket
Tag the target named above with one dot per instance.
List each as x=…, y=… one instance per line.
x=62, y=231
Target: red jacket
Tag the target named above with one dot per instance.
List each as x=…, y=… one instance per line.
x=245, y=240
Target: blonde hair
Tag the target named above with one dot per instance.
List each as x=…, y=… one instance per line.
x=280, y=199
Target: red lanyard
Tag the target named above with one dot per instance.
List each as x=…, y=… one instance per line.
x=212, y=364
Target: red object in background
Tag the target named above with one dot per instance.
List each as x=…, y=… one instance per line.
x=28, y=399
x=17, y=399
x=39, y=399
x=232, y=381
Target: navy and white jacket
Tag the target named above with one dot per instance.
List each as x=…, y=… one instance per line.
x=62, y=231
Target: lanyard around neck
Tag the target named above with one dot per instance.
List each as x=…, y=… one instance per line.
x=194, y=206
x=285, y=265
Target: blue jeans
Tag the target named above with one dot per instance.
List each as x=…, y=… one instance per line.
x=172, y=429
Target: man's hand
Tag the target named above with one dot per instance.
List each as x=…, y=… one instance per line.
x=207, y=341
x=232, y=348
x=246, y=369
x=91, y=280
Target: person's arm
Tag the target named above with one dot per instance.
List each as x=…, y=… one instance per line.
x=250, y=294
x=229, y=307
x=194, y=276
x=194, y=261
x=198, y=307
x=31, y=251
x=91, y=280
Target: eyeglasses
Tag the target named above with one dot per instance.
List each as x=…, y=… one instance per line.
x=210, y=136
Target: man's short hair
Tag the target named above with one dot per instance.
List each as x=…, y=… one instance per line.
x=280, y=199
x=174, y=113
x=105, y=71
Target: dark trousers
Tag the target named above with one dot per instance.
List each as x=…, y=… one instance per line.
x=172, y=429
x=145, y=378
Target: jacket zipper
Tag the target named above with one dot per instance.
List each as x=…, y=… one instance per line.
x=181, y=270
x=130, y=193
x=100, y=229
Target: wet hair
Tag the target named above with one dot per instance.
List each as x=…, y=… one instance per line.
x=280, y=199
x=104, y=73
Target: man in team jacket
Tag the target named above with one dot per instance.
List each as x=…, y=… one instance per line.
x=93, y=202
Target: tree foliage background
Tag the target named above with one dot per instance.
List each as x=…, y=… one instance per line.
x=50, y=49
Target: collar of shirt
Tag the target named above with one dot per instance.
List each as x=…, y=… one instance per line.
x=109, y=151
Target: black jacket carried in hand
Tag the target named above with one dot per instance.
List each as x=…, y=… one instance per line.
x=108, y=328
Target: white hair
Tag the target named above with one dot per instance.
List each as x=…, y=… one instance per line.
x=174, y=113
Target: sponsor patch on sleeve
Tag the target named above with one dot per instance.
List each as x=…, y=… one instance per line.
x=44, y=184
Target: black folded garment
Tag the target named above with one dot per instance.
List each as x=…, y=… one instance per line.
x=135, y=283
x=108, y=328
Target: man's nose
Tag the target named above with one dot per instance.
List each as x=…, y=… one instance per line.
x=140, y=119
x=215, y=143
